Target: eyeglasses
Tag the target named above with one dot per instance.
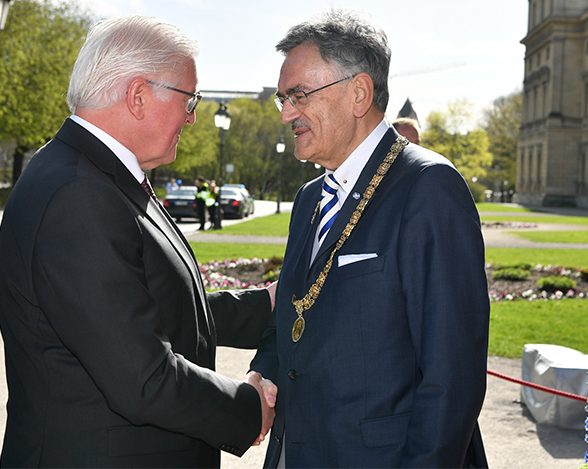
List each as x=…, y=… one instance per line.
x=299, y=99
x=190, y=104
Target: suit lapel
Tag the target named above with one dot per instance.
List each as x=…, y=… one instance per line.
x=351, y=203
x=106, y=161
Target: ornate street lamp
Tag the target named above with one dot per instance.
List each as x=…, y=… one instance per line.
x=280, y=147
x=222, y=120
x=4, y=4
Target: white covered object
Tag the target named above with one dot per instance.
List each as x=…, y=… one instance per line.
x=561, y=368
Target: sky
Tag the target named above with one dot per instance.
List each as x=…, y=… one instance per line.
x=442, y=50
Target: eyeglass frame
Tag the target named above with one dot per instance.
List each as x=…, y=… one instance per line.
x=191, y=104
x=280, y=100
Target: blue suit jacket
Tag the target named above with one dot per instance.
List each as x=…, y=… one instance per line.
x=391, y=369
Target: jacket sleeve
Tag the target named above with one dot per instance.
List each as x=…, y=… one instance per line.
x=441, y=254
x=240, y=316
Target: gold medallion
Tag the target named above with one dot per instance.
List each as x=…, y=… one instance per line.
x=298, y=329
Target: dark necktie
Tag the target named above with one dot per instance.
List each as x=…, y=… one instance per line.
x=147, y=188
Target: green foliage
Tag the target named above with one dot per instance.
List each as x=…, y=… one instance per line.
x=514, y=324
x=4, y=193
x=520, y=266
x=37, y=52
x=511, y=273
x=554, y=283
x=468, y=150
x=584, y=275
x=502, y=123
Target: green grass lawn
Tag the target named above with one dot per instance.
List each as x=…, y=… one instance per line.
x=206, y=252
x=271, y=225
x=577, y=258
x=513, y=324
x=489, y=207
x=553, y=236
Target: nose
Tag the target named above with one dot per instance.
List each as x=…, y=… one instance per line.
x=289, y=112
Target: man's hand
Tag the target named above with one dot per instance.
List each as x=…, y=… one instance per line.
x=268, y=393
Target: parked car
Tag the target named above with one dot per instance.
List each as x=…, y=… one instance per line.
x=181, y=203
x=249, y=200
x=233, y=202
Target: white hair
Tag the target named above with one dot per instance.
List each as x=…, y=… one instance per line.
x=118, y=50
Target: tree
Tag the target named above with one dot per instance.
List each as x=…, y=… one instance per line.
x=502, y=123
x=467, y=149
x=37, y=52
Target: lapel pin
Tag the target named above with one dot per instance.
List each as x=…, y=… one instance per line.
x=356, y=195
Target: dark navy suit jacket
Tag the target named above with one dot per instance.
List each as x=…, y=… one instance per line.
x=391, y=368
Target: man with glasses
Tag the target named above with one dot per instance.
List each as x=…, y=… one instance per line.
x=109, y=335
x=381, y=325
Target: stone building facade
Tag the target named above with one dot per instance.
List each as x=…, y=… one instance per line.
x=552, y=161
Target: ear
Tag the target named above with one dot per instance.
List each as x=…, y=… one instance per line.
x=136, y=98
x=363, y=89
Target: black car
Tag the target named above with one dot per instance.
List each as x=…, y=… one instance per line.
x=233, y=202
x=249, y=201
x=181, y=203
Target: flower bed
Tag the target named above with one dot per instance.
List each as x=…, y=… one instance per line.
x=257, y=273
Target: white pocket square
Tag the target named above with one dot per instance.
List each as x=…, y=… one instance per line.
x=351, y=258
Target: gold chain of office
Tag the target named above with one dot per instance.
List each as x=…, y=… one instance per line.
x=304, y=304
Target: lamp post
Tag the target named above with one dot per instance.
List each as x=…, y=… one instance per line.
x=222, y=120
x=280, y=147
x=4, y=4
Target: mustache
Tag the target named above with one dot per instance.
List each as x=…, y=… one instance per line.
x=298, y=123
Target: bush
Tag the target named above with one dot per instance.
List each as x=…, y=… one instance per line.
x=511, y=273
x=556, y=282
x=520, y=265
x=584, y=275
x=4, y=193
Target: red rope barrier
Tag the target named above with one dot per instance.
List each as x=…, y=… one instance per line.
x=529, y=384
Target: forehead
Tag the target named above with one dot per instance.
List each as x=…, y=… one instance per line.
x=302, y=66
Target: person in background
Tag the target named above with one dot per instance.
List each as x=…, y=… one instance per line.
x=379, y=340
x=213, y=205
x=109, y=334
x=408, y=128
x=171, y=185
x=202, y=194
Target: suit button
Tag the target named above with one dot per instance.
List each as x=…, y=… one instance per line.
x=292, y=374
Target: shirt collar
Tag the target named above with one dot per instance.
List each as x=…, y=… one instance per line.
x=348, y=173
x=126, y=156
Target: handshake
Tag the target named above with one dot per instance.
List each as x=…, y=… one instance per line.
x=268, y=393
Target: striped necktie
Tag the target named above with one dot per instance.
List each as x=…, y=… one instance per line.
x=329, y=206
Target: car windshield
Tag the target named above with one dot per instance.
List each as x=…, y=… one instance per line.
x=228, y=192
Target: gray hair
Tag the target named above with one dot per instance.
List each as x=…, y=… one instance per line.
x=118, y=50
x=352, y=43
